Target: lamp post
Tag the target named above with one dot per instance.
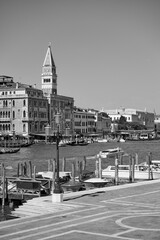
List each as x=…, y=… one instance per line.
x=57, y=195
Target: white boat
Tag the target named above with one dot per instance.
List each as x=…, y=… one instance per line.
x=110, y=152
x=102, y=140
x=62, y=144
x=140, y=172
x=96, y=182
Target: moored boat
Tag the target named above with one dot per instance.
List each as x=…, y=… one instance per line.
x=110, y=152
x=140, y=172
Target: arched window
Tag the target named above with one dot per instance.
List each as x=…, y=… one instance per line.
x=24, y=128
x=24, y=114
x=13, y=127
x=9, y=114
x=13, y=103
x=13, y=114
x=24, y=102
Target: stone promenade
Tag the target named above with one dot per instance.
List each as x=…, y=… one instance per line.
x=128, y=212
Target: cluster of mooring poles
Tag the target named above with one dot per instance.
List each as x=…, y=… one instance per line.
x=133, y=160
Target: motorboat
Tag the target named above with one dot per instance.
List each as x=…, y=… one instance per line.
x=96, y=182
x=110, y=152
x=140, y=172
x=102, y=140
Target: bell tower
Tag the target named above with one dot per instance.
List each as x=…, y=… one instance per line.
x=49, y=76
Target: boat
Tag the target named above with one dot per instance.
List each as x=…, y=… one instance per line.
x=140, y=172
x=62, y=144
x=96, y=182
x=9, y=150
x=110, y=152
x=102, y=140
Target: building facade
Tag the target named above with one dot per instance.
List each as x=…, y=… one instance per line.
x=26, y=110
x=23, y=108
x=133, y=115
x=91, y=122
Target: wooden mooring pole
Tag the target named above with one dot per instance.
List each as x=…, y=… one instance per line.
x=116, y=170
x=3, y=187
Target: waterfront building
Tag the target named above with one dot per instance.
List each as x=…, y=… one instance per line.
x=90, y=122
x=58, y=104
x=23, y=108
x=133, y=115
x=157, y=123
x=84, y=121
x=26, y=110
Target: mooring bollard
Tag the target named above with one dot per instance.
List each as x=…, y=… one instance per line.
x=116, y=170
x=34, y=172
x=80, y=171
x=64, y=164
x=3, y=187
x=130, y=168
x=100, y=167
x=84, y=163
x=97, y=169
x=18, y=170
x=137, y=159
x=73, y=172
x=30, y=169
x=133, y=168
x=53, y=174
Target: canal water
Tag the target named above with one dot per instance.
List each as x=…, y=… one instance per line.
x=41, y=153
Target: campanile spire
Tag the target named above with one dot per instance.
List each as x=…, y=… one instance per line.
x=49, y=76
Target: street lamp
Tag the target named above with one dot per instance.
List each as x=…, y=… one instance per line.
x=58, y=191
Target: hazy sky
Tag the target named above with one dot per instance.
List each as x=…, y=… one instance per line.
x=107, y=52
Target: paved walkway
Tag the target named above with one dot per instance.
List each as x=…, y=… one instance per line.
x=130, y=211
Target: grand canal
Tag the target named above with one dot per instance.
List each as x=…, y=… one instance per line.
x=40, y=153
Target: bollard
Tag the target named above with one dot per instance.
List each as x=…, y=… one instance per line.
x=53, y=174
x=3, y=187
x=63, y=164
x=130, y=168
x=18, y=170
x=137, y=159
x=80, y=171
x=100, y=167
x=73, y=172
x=84, y=164
x=97, y=168
x=34, y=174
x=116, y=171
x=133, y=168
x=30, y=169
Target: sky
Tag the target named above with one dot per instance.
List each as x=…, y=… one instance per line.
x=106, y=52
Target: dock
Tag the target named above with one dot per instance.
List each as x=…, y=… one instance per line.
x=130, y=211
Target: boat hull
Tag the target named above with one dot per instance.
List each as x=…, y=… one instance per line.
x=142, y=175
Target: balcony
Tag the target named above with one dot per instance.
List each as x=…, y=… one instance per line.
x=5, y=120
